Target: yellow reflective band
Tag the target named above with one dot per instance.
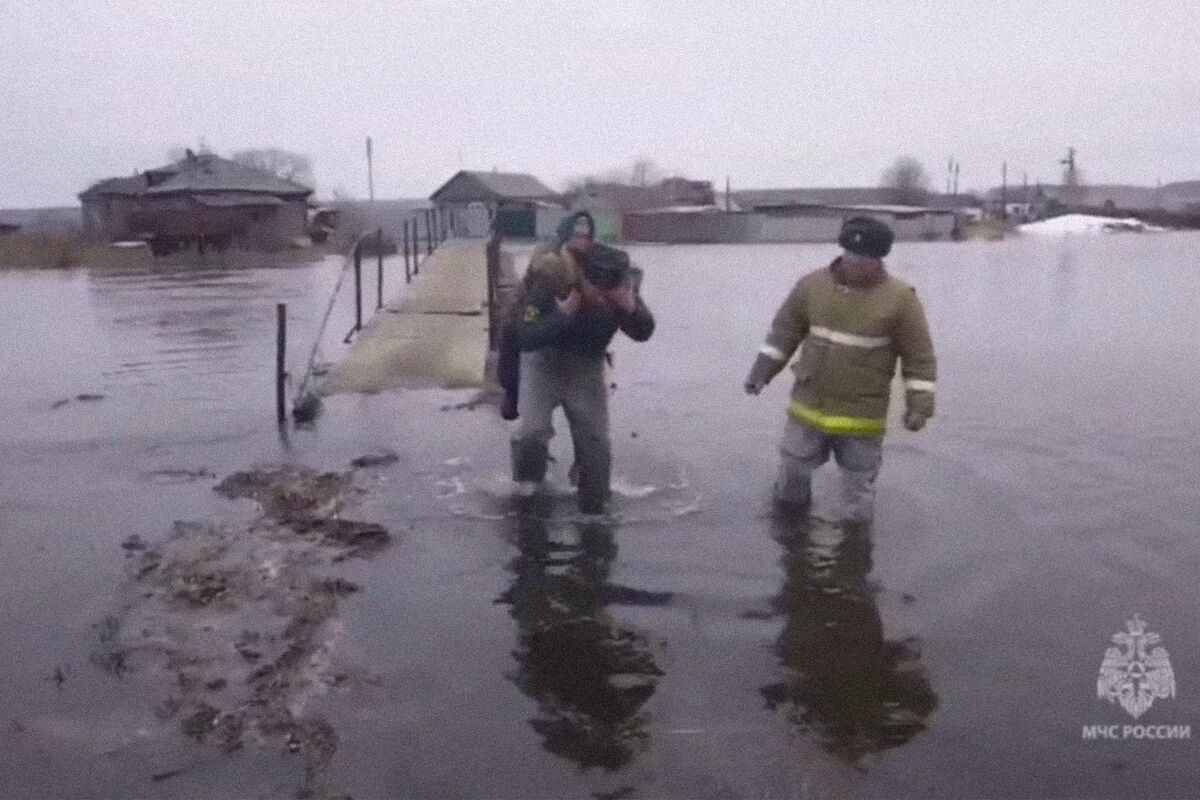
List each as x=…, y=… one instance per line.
x=849, y=426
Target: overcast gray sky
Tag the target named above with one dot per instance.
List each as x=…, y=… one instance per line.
x=772, y=94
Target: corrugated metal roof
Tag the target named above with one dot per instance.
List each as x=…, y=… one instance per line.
x=849, y=196
x=893, y=209
x=235, y=199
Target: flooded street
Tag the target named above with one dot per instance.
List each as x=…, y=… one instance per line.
x=689, y=647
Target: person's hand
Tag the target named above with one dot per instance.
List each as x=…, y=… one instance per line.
x=623, y=298
x=753, y=386
x=914, y=421
x=569, y=305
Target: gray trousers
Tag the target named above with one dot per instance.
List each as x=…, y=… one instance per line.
x=805, y=448
x=551, y=378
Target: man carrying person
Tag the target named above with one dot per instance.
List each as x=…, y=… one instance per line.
x=575, y=300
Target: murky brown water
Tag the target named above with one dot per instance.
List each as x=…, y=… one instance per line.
x=951, y=651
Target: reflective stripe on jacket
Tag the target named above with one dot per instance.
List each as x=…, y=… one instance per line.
x=850, y=340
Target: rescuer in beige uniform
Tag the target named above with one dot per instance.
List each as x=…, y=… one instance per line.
x=854, y=321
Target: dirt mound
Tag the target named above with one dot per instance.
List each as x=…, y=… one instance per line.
x=244, y=620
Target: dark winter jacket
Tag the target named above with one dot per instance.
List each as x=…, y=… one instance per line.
x=552, y=274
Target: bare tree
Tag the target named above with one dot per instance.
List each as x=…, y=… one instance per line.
x=642, y=172
x=645, y=172
x=909, y=180
x=280, y=163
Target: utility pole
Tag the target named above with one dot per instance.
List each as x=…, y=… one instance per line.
x=727, y=201
x=370, y=175
x=1004, y=190
x=1069, y=163
x=952, y=166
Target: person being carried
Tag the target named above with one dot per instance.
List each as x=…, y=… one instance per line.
x=854, y=322
x=574, y=232
x=576, y=299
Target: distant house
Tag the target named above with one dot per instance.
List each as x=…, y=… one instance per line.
x=202, y=200
x=806, y=215
x=1038, y=202
x=610, y=203
x=787, y=200
x=519, y=204
x=1184, y=195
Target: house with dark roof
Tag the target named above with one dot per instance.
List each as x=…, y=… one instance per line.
x=519, y=204
x=202, y=200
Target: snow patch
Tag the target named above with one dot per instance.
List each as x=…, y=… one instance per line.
x=1086, y=224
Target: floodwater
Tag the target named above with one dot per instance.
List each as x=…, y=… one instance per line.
x=690, y=646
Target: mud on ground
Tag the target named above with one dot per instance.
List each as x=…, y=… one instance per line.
x=241, y=619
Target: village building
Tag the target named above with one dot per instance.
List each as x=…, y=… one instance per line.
x=802, y=215
x=612, y=205
x=519, y=205
x=806, y=215
x=1028, y=203
x=202, y=200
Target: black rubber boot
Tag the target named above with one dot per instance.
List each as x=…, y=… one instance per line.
x=529, y=461
x=595, y=473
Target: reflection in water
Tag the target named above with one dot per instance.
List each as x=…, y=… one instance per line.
x=1063, y=285
x=855, y=691
x=588, y=674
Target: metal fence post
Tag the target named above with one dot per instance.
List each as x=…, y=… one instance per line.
x=493, y=271
x=358, y=285
x=379, y=272
x=280, y=362
x=407, y=268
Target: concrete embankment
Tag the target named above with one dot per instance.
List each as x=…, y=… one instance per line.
x=435, y=333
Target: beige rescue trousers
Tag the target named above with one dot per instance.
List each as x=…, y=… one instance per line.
x=805, y=448
x=551, y=378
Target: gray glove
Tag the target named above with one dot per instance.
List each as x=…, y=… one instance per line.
x=914, y=421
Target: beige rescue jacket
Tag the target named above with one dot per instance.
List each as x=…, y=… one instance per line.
x=852, y=338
